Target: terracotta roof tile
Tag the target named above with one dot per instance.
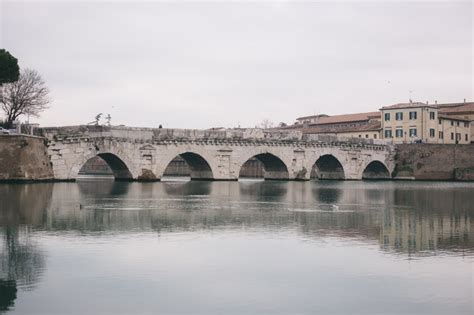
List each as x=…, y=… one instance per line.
x=456, y=108
x=452, y=118
x=373, y=125
x=345, y=118
x=408, y=105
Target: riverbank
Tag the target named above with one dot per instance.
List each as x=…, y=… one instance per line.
x=24, y=158
x=447, y=162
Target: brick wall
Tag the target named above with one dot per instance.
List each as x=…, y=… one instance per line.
x=435, y=161
x=24, y=158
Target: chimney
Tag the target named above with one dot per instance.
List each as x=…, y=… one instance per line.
x=464, y=100
x=436, y=102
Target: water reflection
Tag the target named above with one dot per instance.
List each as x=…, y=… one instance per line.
x=22, y=261
x=402, y=219
x=98, y=188
x=329, y=193
x=192, y=188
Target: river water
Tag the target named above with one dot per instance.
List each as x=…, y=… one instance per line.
x=247, y=247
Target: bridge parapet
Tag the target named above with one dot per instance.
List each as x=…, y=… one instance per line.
x=167, y=134
x=250, y=136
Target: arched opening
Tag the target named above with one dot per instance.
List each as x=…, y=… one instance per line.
x=253, y=168
x=327, y=167
x=265, y=165
x=106, y=165
x=177, y=168
x=376, y=170
x=188, y=165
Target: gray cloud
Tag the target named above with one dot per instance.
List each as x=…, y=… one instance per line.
x=198, y=65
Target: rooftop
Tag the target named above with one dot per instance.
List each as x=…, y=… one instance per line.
x=457, y=108
x=441, y=116
x=448, y=107
x=374, y=125
x=409, y=105
x=325, y=119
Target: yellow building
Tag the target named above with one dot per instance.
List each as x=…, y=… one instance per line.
x=463, y=110
x=400, y=123
x=412, y=122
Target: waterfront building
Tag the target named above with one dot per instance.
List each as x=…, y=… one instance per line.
x=399, y=123
x=428, y=123
x=463, y=110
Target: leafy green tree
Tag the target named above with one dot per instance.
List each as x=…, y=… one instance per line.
x=9, y=70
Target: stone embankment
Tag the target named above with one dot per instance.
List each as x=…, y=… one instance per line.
x=434, y=162
x=24, y=158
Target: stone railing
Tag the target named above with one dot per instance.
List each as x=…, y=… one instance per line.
x=164, y=135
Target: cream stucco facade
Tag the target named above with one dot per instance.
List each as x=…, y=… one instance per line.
x=405, y=123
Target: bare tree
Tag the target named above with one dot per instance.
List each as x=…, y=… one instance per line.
x=27, y=96
x=266, y=124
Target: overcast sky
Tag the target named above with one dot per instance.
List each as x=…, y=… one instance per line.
x=209, y=64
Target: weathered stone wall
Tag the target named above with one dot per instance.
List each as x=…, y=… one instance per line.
x=157, y=134
x=434, y=161
x=145, y=153
x=24, y=158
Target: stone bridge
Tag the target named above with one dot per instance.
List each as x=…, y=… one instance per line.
x=145, y=153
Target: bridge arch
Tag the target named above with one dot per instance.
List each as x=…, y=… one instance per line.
x=199, y=167
x=327, y=166
x=273, y=166
x=376, y=170
x=118, y=166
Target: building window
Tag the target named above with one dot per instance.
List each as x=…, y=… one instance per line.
x=439, y=121
x=467, y=137
x=412, y=132
x=375, y=136
x=466, y=125
x=441, y=135
x=432, y=133
x=412, y=115
x=387, y=116
x=452, y=136
x=367, y=136
x=360, y=136
x=432, y=115
x=458, y=123
x=399, y=133
x=458, y=136
x=388, y=134
x=399, y=116
x=452, y=123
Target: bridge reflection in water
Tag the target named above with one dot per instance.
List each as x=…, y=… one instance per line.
x=409, y=219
